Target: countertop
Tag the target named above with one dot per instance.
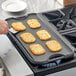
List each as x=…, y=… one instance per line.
x=12, y=59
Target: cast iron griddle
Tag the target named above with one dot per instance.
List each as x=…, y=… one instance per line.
x=66, y=52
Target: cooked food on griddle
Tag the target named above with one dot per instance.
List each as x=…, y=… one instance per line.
x=53, y=46
x=37, y=49
x=43, y=35
x=18, y=26
x=27, y=37
x=33, y=23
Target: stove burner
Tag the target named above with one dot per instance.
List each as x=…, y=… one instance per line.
x=51, y=64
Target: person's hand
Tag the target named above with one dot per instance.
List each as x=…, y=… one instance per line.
x=3, y=27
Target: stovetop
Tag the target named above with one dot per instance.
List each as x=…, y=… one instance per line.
x=64, y=21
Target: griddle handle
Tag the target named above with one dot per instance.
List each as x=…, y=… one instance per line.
x=55, y=57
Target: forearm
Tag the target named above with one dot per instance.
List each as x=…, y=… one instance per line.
x=3, y=27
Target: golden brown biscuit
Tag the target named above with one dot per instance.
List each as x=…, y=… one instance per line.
x=54, y=46
x=43, y=35
x=37, y=49
x=27, y=37
x=33, y=23
x=18, y=26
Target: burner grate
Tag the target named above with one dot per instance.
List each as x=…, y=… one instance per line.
x=64, y=19
x=65, y=24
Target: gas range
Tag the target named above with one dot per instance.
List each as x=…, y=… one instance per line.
x=64, y=22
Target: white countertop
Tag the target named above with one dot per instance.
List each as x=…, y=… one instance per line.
x=13, y=60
